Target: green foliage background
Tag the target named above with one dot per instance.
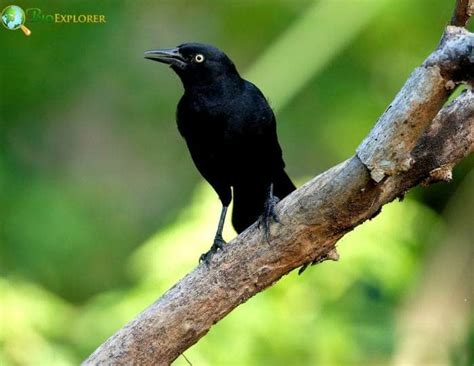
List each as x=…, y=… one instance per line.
x=101, y=209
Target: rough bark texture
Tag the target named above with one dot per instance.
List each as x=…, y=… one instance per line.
x=463, y=11
x=318, y=214
x=387, y=149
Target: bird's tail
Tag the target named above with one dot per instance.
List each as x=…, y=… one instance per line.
x=282, y=185
x=249, y=200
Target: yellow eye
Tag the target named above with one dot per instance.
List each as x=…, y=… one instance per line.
x=199, y=58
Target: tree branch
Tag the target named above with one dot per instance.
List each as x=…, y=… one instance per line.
x=387, y=149
x=318, y=214
x=462, y=12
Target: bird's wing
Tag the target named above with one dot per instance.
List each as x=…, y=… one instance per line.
x=265, y=131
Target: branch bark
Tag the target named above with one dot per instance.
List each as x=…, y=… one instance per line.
x=387, y=149
x=462, y=12
x=396, y=156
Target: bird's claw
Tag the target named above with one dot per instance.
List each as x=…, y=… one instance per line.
x=268, y=215
x=218, y=244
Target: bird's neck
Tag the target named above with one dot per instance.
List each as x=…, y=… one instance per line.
x=220, y=85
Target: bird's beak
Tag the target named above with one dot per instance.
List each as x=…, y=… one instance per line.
x=170, y=56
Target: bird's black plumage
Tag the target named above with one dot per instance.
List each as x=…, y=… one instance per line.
x=230, y=131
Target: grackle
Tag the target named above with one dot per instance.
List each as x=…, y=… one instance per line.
x=230, y=131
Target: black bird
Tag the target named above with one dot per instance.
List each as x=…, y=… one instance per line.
x=230, y=131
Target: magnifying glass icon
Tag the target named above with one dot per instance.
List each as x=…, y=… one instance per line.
x=13, y=17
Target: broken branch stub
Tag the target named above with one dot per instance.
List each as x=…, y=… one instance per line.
x=387, y=149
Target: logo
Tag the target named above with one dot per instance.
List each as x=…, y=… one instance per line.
x=35, y=15
x=13, y=18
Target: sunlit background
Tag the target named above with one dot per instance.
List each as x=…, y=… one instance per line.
x=102, y=210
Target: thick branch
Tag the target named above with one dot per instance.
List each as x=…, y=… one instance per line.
x=386, y=150
x=313, y=218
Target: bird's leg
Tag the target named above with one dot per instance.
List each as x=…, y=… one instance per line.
x=218, y=240
x=269, y=213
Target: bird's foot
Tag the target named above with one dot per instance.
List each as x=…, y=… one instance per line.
x=268, y=216
x=217, y=245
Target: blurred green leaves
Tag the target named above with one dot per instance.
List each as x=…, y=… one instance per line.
x=33, y=325
x=332, y=314
x=308, y=45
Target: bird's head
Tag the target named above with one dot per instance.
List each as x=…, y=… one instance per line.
x=195, y=63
